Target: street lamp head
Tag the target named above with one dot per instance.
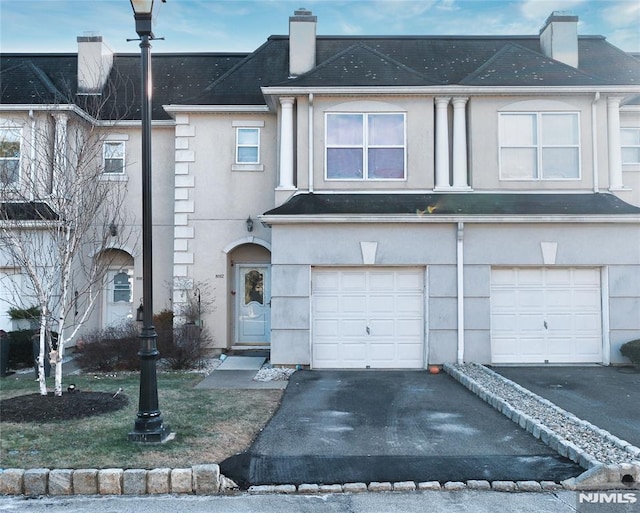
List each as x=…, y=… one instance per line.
x=143, y=13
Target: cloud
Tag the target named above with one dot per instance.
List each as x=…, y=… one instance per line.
x=540, y=9
x=622, y=14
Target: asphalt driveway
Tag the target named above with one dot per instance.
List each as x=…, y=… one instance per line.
x=363, y=426
x=608, y=397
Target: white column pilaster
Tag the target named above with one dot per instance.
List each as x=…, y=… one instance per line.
x=286, y=144
x=60, y=161
x=460, y=180
x=442, y=142
x=613, y=137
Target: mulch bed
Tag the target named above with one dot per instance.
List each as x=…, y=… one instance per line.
x=70, y=405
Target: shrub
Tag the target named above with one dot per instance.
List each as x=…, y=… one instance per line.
x=112, y=349
x=632, y=351
x=20, y=349
x=31, y=313
x=116, y=348
x=186, y=349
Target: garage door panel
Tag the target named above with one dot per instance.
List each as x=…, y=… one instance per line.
x=530, y=299
x=559, y=298
x=546, y=314
x=354, y=281
x=588, y=299
x=389, y=302
x=326, y=328
x=328, y=304
x=352, y=328
x=409, y=282
x=587, y=277
x=353, y=304
x=409, y=306
x=384, y=281
x=529, y=276
x=409, y=328
x=382, y=328
x=379, y=304
x=353, y=352
x=324, y=281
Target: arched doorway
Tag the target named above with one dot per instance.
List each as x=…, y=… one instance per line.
x=250, y=283
x=117, y=299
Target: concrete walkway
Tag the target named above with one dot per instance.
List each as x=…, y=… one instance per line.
x=237, y=372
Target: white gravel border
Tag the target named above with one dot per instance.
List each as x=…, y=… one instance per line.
x=591, y=447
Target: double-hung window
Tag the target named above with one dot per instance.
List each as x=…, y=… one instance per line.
x=540, y=146
x=630, y=140
x=365, y=146
x=247, y=145
x=10, y=145
x=113, y=157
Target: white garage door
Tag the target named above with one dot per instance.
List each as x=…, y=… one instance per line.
x=368, y=318
x=542, y=315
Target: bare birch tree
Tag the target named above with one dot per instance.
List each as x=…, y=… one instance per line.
x=59, y=220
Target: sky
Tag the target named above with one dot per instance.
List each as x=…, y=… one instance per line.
x=51, y=26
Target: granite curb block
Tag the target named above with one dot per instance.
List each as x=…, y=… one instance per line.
x=598, y=475
x=207, y=480
x=199, y=480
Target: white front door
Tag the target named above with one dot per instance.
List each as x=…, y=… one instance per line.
x=118, y=297
x=546, y=315
x=368, y=317
x=253, y=304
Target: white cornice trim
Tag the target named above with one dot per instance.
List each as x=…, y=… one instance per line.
x=414, y=219
x=74, y=109
x=452, y=89
x=215, y=108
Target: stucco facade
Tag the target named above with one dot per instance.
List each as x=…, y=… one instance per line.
x=482, y=242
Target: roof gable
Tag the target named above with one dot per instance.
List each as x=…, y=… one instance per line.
x=515, y=65
x=361, y=65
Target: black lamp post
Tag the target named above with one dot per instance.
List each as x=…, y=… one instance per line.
x=148, y=426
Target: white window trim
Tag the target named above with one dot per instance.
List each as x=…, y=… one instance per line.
x=17, y=129
x=633, y=166
x=238, y=146
x=247, y=166
x=104, y=157
x=365, y=171
x=539, y=146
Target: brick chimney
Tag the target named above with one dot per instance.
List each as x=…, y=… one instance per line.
x=95, y=60
x=302, y=42
x=559, y=38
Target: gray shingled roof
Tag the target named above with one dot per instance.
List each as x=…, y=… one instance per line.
x=455, y=204
x=177, y=78
x=237, y=79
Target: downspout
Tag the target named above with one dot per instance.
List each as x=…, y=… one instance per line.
x=460, y=292
x=594, y=141
x=32, y=157
x=310, y=149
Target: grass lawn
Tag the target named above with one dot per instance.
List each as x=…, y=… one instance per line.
x=210, y=425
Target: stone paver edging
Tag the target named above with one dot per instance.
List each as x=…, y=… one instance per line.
x=599, y=475
x=207, y=480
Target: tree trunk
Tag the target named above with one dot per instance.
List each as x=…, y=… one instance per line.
x=41, y=356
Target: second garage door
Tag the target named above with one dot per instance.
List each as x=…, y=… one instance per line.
x=546, y=315
x=368, y=318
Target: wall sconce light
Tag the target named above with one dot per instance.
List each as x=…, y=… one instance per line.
x=113, y=229
x=249, y=222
